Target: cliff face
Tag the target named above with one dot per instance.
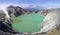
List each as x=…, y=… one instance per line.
x=2, y=15
x=44, y=12
x=6, y=25
x=16, y=11
x=51, y=21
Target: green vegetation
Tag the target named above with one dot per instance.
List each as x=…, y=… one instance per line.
x=28, y=23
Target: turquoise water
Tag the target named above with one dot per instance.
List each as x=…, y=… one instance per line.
x=28, y=23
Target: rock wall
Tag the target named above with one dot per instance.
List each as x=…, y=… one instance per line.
x=15, y=11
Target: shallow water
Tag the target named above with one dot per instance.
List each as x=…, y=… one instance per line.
x=28, y=23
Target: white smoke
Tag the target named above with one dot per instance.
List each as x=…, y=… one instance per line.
x=3, y=7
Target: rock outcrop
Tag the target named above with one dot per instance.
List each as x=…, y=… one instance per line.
x=5, y=24
x=43, y=12
x=15, y=11
x=51, y=22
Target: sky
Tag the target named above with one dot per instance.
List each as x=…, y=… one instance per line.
x=26, y=3
x=30, y=3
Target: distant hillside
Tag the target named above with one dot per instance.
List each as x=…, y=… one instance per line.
x=33, y=8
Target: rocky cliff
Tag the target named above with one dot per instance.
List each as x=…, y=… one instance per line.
x=15, y=11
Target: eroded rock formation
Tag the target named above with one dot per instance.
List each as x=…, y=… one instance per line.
x=15, y=11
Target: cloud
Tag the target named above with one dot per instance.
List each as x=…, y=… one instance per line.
x=24, y=5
